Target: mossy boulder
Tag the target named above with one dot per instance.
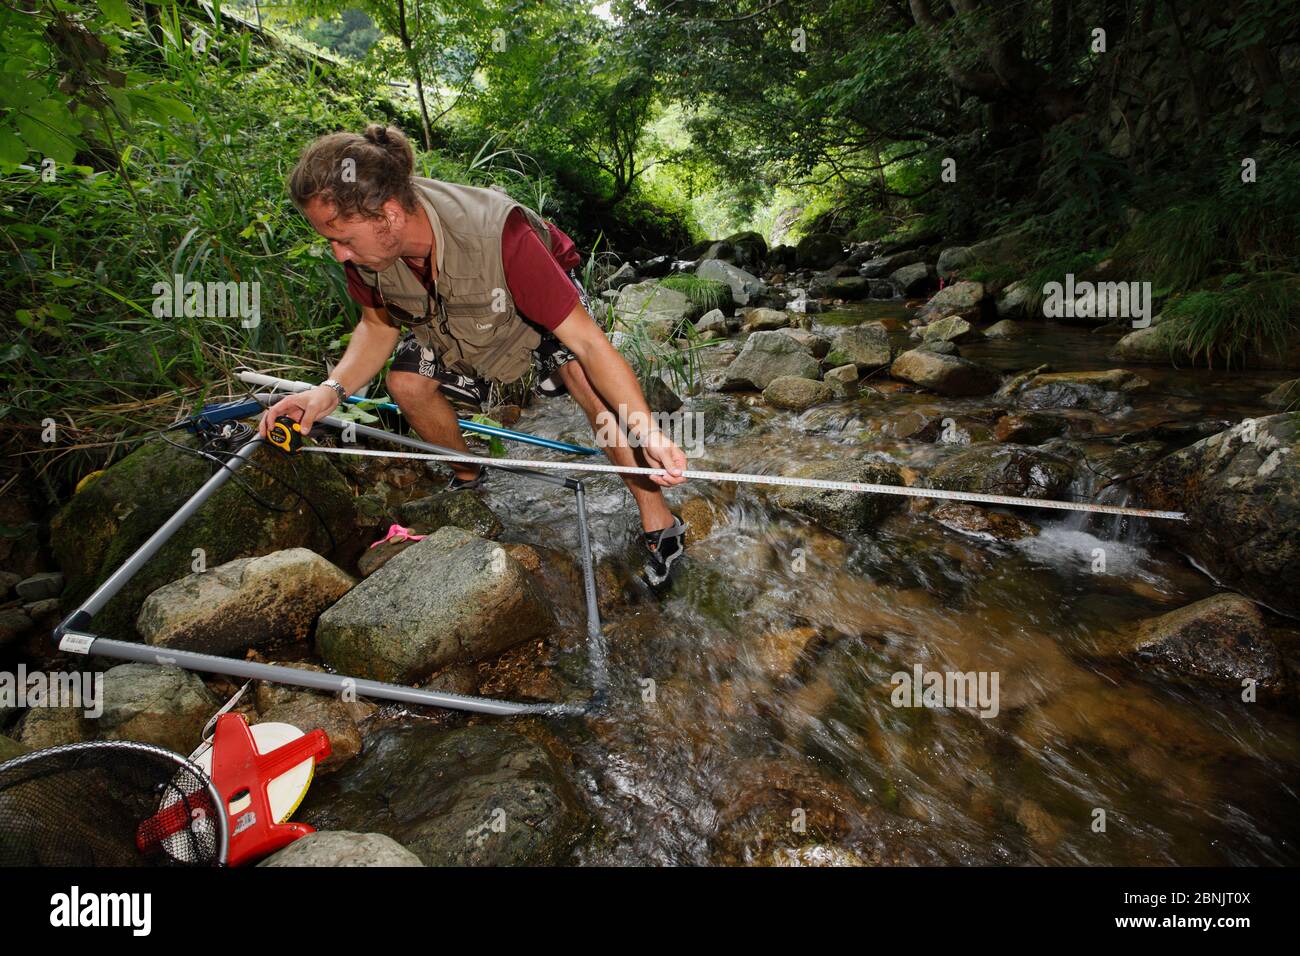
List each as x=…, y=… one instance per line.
x=103, y=525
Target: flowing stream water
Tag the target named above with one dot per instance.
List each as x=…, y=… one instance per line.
x=751, y=710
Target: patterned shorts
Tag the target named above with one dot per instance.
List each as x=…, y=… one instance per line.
x=549, y=355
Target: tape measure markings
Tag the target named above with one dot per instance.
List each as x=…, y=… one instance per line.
x=782, y=480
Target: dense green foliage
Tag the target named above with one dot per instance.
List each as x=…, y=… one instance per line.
x=141, y=141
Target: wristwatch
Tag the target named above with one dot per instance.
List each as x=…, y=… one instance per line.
x=338, y=388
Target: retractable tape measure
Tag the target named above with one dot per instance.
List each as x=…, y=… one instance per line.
x=285, y=434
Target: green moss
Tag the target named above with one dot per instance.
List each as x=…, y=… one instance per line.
x=95, y=532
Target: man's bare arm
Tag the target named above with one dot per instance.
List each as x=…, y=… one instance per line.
x=615, y=382
x=372, y=343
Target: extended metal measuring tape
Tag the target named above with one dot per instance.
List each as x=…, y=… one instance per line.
x=821, y=483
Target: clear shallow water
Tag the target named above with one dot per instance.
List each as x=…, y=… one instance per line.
x=772, y=659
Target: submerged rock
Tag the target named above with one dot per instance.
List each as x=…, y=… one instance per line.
x=1220, y=641
x=843, y=512
x=1285, y=395
x=478, y=796
x=1029, y=428
x=1000, y=469
x=1003, y=329
x=1241, y=492
x=981, y=523
x=452, y=597
x=250, y=602
x=1097, y=391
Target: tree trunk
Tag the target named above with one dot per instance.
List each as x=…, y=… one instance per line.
x=414, y=62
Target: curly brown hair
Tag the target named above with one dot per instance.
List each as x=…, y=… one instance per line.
x=356, y=173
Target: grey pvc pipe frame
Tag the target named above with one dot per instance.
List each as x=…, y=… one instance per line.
x=73, y=634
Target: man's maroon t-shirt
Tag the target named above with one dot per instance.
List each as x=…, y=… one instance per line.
x=542, y=291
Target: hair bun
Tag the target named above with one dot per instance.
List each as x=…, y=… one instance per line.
x=393, y=142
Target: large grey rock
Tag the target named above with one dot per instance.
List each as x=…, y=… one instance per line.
x=745, y=287
x=769, y=355
x=815, y=344
x=623, y=276
x=1013, y=301
x=944, y=374
x=245, y=603
x=101, y=526
x=847, y=287
x=478, y=796
x=883, y=266
x=843, y=512
x=1221, y=641
x=648, y=305
x=452, y=597
x=1004, y=469
x=796, y=394
x=1240, y=490
x=960, y=298
x=818, y=251
x=161, y=705
x=866, y=346
x=343, y=848
x=914, y=279
x=1004, y=249
x=953, y=259
x=46, y=584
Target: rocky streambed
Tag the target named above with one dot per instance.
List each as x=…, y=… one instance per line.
x=1139, y=702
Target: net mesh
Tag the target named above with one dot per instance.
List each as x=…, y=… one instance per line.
x=107, y=803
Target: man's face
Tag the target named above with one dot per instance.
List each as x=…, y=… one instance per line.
x=373, y=243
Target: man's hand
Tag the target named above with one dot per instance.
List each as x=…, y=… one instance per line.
x=305, y=408
x=662, y=452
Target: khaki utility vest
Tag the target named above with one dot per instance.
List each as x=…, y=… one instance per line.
x=477, y=331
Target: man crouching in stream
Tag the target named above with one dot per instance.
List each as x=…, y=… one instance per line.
x=488, y=291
